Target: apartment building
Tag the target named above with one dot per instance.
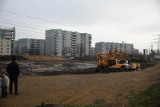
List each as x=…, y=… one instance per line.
x=93, y=52
x=135, y=51
x=104, y=47
x=7, y=37
x=67, y=43
x=28, y=46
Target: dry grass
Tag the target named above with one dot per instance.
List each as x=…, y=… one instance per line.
x=43, y=58
x=83, y=89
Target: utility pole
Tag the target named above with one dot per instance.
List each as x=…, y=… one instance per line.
x=151, y=52
x=158, y=43
x=151, y=47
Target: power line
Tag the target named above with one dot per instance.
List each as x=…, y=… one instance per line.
x=36, y=18
x=19, y=30
x=44, y=20
x=30, y=31
x=33, y=32
x=20, y=25
x=158, y=42
x=25, y=30
x=38, y=35
x=18, y=22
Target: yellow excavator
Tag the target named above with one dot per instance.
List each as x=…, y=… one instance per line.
x=115, y=61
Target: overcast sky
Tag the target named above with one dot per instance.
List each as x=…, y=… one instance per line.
x=131, y=21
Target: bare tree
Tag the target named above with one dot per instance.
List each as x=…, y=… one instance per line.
x=25, y=50
x=66, y=51
x=16, y=50
x=80, y=50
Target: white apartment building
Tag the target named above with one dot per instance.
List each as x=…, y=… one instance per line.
x=104, y=47
x=67, y=43
x=7, y=37
x=28, y=46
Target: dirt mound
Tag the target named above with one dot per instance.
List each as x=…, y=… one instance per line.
x=9, y=57
x=43, y=58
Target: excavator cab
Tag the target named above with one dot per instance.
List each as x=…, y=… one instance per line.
x=111, y=62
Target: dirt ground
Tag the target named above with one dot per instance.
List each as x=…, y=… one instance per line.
x=115, y=88
x=52, y=67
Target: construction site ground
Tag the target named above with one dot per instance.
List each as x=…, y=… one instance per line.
x=38, y=83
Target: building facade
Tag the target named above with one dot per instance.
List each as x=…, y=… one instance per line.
x=29, y=46
x=136, y=51
x=7, y=37
x=93, y=52
x=104, y=47
x=66, y=43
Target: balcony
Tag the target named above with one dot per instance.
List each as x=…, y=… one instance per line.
x=73, y=43
x=74, y=33
x=8, y=33
x=8, y=37
x=73, y=38
x=56, y=48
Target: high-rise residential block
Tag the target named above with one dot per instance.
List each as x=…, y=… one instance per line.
x=29, y=46
x=67, y=43
x=104, y=47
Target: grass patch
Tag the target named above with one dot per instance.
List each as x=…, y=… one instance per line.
x=149, y=98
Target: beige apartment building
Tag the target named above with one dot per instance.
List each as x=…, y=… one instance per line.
x=7, y=37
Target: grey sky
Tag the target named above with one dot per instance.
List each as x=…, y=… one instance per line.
x=131, y=21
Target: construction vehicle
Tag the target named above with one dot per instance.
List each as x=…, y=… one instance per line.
x=115, y=61
x=135, y=65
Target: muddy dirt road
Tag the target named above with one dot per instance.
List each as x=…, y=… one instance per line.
x=114, y=88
